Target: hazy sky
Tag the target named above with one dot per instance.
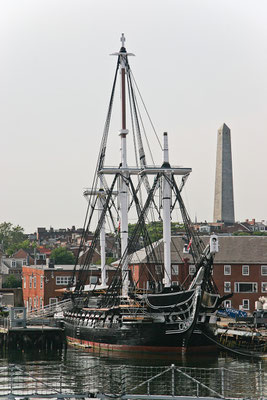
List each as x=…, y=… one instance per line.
x=198, y=64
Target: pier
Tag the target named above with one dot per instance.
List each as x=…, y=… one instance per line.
x=22, y=331
x=38, y=337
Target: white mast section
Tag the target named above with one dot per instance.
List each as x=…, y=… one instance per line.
x=101, y=198
x=166, y=203
x=123, y=190
x=101, y=201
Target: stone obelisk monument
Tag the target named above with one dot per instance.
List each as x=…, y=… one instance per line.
x=224, y=194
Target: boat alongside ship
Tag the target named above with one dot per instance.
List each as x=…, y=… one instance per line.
x=166, y=316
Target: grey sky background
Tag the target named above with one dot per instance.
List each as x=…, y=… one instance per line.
x=198, y=64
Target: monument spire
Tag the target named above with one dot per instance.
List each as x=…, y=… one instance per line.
x=224, y=193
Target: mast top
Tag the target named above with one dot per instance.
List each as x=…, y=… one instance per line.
x=122, y=51
x=123, y=39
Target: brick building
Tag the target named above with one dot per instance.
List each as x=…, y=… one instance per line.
x=41, y=284
x=240, y=268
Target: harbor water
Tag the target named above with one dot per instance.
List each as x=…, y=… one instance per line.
x=84, y=371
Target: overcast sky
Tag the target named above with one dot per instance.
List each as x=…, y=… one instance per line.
x=198, y=64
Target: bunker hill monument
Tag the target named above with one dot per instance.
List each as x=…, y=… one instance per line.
x=224, y=194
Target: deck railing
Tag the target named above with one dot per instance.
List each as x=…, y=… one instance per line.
x=50, y=310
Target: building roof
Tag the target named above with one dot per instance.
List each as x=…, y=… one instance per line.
x=43, y=250
x=65, y=267
x=232, y=250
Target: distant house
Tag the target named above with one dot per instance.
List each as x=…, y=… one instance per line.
x=13, y=265
x=41, y=255
x=59, y=236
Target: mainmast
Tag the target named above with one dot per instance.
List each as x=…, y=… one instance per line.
x=123, y=189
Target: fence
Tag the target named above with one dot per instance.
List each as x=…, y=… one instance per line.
x=128, y=382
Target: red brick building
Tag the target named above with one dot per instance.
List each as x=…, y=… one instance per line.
x=240, y=268
x=41, y=284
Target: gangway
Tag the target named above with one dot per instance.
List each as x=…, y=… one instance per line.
x=50, y=310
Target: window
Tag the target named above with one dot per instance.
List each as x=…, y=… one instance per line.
x=34, y=282
x=63, y=280
x=53, y=301
x=175, y=269
x=245, y=304
x=245, y=287
x=41, y=282
x=93, y=280
x=264, y=287
x=13, y=263
x=227, y=287
x=174, y=283
x=41, y=302
x=158, y=269
x=264, y=269
x=245, y=269
x=30, y=282
x=34, y=302
x=192, y=269
x=24, y=282
x=227, y=270
x=227, y=303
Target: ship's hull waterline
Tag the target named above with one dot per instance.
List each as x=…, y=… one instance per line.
x=137, y=338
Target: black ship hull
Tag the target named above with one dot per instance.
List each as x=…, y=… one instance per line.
x=138, y=337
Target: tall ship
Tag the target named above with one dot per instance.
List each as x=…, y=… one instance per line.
x=118, y=312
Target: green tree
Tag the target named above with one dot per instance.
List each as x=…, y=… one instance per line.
x=12, y=281
x=62, y=256
x=10, y=234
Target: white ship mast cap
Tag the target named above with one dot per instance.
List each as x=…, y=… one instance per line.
x=122, y=51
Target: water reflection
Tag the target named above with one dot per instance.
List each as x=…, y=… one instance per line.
x=117, y=372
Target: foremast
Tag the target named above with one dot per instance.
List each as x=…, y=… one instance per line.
x=166, y=203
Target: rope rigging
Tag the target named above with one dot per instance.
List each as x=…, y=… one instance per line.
x=83, y=270
x=139, y=228
x=142, y=211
